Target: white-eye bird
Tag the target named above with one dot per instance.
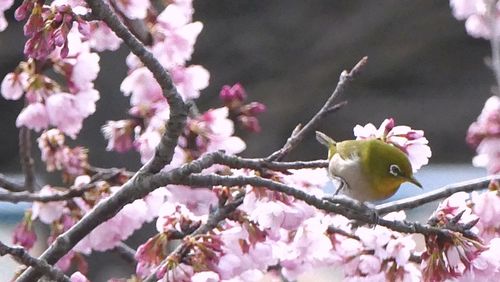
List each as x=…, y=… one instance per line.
x=370, y=170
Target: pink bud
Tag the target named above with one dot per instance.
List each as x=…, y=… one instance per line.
x=23, y=10
x=234, y=93
x=254, y=108
x=24, y=235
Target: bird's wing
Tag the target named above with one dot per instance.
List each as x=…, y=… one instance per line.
x=349, y=150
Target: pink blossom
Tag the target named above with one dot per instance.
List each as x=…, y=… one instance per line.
x=462, y=9
x=50, y=211
x=142, y=87
x=487, y=208
x=481, y=18
x=241, y=254
x=484, y=135
x=146, y=144
x=85, y=70
x=110, y=233
x=14, y=85
x=197, y=200
x=205, y=276
x=411, y=142
x=486, y=267
x=102, y=37
x=119, y=135
x=34, y=116
x=64, y=263
x=73, y=161
x=369, y=264
x=4, y=5
x=478, y=26
x=63, y=111
x=309, y=248
x=51, y=145
x=176, y=37
x=133, y=9
x=400, y=249
x=171, y=215
x=78, y=277
x=85, y=101
x=189, y=81
x=218, y=129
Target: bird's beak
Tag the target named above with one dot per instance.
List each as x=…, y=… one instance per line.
x=413, y=180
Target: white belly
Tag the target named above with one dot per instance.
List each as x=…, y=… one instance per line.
x=350, y=172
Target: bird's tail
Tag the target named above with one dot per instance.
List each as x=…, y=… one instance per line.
x=328, y=142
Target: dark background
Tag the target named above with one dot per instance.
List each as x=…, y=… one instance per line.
x=423, y=70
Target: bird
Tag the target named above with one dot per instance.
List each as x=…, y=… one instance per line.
x=369, y=170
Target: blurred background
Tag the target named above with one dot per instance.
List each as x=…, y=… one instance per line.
x=423, y=70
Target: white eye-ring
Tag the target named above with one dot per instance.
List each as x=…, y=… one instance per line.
x=394, y=170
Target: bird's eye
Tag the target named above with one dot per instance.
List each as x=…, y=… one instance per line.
x=394, y=170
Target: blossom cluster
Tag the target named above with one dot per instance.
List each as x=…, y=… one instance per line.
x=469, y=255
x=481, y=16
x=484, y=136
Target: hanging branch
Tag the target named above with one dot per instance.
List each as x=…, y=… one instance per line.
x=329, y=107
x=22, y=256
x=27, y=162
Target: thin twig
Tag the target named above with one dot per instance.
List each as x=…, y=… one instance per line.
x=213, y=221
x=126, y=253
x=258, y=164
x=72, y=192
x=21, y=256
x=446, y=191
x=35, y=197
x=27, y=162
x=344, y=80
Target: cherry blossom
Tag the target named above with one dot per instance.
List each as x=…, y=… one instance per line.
x=14, y=85
x=481, y=17
x=133, y=9
x=484, y=136
x=48, y=212
x=34, y=116
x=4, y=5
x=78, y=277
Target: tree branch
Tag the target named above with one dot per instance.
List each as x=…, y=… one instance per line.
x=446, y=191
x=328, y=107
x=9, y=185
x=178, y=109
x=27, y=162
x=20, y=255
x=347, y=207
x=258, y=164
x=126, y=253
